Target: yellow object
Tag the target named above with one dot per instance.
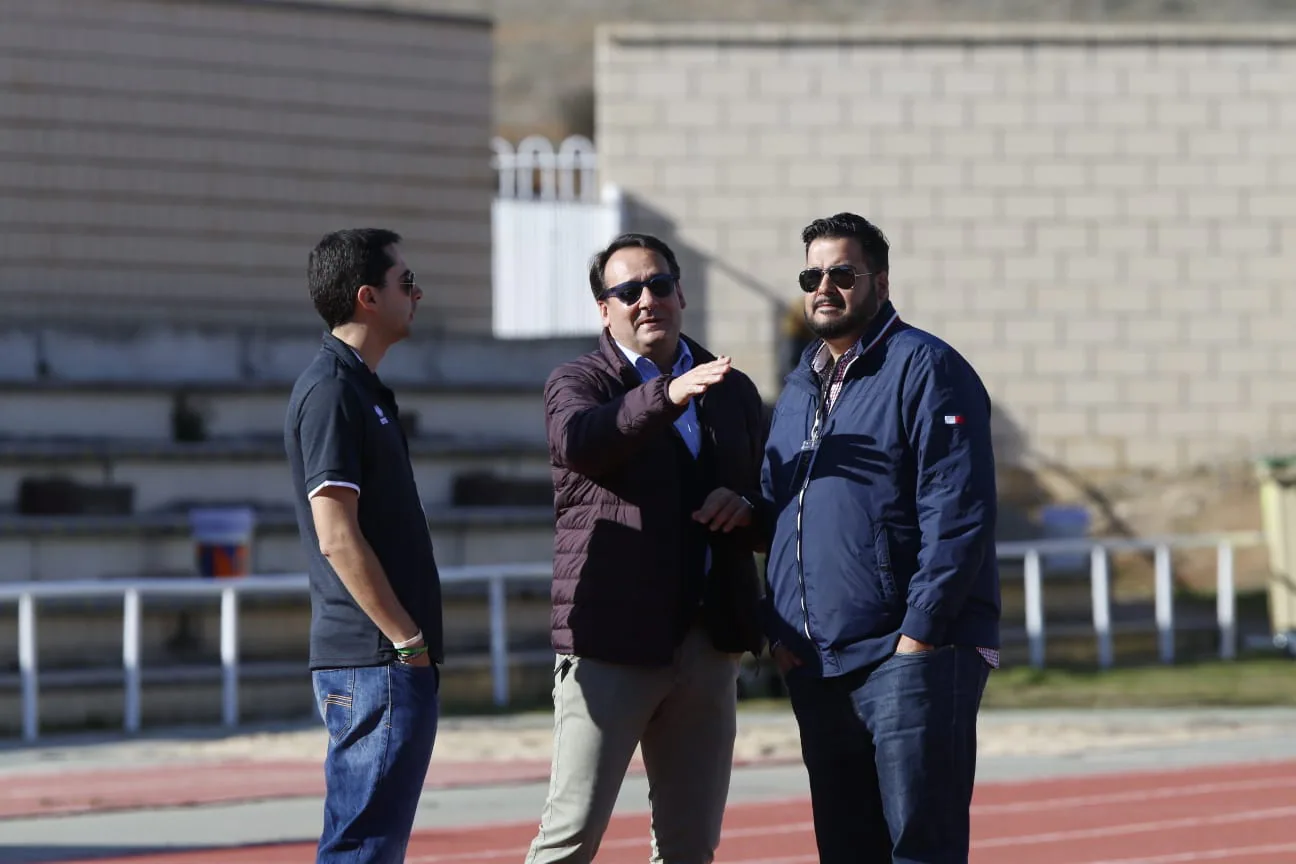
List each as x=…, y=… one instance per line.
x=1278, y=520
x=794, y=323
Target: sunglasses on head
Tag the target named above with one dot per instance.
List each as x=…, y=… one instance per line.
x=662, y=285
x=842, y=276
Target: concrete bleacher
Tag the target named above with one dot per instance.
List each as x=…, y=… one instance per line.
x=143, y=425
x=159, y=422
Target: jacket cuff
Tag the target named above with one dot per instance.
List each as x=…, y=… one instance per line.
x=923, y=626
x=661, y=396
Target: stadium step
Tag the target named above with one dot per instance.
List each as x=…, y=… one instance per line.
x=159, y=544
x=203, y=411
x=142, y=476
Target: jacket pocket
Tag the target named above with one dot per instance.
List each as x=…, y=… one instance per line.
x=882, y=549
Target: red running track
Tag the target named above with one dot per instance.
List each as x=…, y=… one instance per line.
x=1240, y=814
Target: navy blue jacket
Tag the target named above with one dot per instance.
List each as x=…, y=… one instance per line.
x=886, y=527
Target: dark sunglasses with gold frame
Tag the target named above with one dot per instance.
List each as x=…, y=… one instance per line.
x=842, y=276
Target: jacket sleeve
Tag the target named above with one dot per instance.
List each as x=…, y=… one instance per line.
x=754, y=536
x=947, y=418
x=765, y=512
x=591, y=436
x=763, y=522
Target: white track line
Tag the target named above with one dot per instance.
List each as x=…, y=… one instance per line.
x=1212, y=855
x=1044, y=804
x=1134, y=796
x=620, y=843
x=1136, y=828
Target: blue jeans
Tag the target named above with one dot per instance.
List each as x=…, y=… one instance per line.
x=890, y=752
x=382, y=723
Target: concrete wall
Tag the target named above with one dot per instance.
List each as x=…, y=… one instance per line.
x=177, y=160
x=1102, y=219
x=544, y=74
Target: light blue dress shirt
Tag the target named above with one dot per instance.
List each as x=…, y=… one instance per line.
x=686, y=423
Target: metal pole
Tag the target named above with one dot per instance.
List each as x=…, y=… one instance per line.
x=1165, y=604
x=1226, y=602
x=499, y=641
x=27, y=666
x=1101, y=604
x=1034, y=609
x=131, y=657
x=229, y=629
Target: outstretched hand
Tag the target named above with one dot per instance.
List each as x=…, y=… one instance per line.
x=697, y=380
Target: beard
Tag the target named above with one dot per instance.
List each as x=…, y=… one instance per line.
x=852, y=323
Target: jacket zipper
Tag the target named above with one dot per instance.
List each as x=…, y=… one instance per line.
x=815, y=434
x=805, y=613
x=814, y=446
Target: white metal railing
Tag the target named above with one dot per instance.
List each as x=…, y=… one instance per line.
x=132, y=592
x=1099, y=551
x=549, y=216
x=1031, y=553
x=535, y=170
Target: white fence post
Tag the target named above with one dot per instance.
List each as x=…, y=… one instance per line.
x=499, y=641
x=132, y=592
x=1226, y=601
x=131, y=658
x=27, y=666
x=1165, y=604
x=1099, y=581
x=229, y=651
x=1034, y=598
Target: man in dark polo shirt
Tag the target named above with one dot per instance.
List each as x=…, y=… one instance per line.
x=375, y=637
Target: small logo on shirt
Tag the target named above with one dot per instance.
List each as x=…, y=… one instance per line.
x=953, y=419
x=382, y=418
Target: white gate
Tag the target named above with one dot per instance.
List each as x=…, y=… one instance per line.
x=549, y=217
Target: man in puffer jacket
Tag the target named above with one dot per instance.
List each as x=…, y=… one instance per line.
x=655, y=446
x=883, y=611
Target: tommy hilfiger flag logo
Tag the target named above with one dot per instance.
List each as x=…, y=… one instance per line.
x=953, y=419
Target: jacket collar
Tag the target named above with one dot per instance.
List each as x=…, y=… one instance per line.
x=616, y=358
x=882, y=322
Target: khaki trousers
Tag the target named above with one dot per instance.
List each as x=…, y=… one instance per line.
x=683, y=716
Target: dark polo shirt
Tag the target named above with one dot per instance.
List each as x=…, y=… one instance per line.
x=342, y=428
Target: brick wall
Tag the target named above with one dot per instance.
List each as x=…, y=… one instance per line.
x=544, y=48
x=1102, y=220
x=177, y=160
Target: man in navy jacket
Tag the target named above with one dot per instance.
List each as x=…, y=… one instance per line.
x=883, y=607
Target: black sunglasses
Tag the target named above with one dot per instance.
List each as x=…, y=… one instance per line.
x=842, y=276
x=662, y=285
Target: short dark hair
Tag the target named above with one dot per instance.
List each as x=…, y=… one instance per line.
x=847, y=225
x=625, y=241
x=343, y=261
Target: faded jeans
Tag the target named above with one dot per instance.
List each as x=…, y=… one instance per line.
x=382, y=723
